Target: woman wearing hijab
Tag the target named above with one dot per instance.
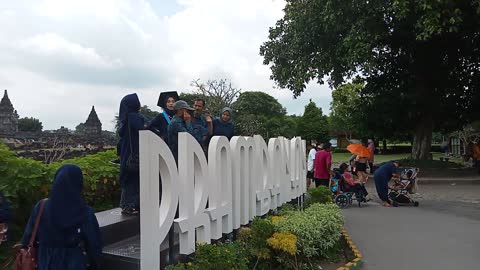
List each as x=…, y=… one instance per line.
x=160, y=123
x=223, y=126
x=131, y=122
x=68, y=236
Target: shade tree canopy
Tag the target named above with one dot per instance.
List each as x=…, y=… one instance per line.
x=419, y=61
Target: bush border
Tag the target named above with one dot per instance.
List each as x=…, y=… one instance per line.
x=356, y=263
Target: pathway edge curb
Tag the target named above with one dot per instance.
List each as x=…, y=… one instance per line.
x=356, y=263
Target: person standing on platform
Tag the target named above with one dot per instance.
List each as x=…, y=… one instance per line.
x=131, y=122
x=159, y=124
x=181, y=122
x=202, y=124
x=223, y=125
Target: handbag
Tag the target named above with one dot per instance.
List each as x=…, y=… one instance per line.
x=3, y=232
x=26, y=258
x=133, y=162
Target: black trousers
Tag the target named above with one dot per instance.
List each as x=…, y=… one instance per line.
x=321, y=182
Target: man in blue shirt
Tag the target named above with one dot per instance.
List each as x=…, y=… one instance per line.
x=181, y=122
x=202, y=124
x=382, y=176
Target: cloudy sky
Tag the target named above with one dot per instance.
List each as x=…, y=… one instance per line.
x=60, y=57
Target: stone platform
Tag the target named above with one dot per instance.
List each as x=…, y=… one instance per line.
x=121, y=239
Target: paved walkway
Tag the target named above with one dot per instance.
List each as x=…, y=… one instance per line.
x=432, y=236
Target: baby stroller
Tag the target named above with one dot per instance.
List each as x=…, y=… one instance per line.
x=403, y=187
x=343, y=194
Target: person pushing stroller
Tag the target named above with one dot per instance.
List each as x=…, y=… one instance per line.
x=382, y=176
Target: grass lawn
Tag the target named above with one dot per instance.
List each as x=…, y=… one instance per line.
x=343, y=157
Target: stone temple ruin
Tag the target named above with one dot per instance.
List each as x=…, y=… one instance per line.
x=8, y=117
x=91, y=139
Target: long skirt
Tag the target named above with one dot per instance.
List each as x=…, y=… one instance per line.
x=130, y=183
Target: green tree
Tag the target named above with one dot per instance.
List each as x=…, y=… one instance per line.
x=217, y=94
x=259, y=103
x=259, y=113
x=418, y=59
x=190, y=97
x=148, y=113
x=30, y=124
x=313, y=125
x=346, y=110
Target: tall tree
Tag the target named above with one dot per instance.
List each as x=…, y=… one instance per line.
x=260, y=103
x=419, y=59
x=30, y=124
x=259, y=113
x=346, y=110
x=190, y=97
x=313, y=125
x=217, y=94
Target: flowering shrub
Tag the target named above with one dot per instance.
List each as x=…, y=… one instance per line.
x=254, y=239
x=283, y=241
x=317, y=228
x=276, y=219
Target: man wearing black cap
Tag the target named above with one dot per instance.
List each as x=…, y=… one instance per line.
x=181, y=122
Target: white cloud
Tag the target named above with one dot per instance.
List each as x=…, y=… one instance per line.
x=87, y=52
x=52, y=45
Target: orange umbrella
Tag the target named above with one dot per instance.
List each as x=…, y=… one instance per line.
x=359, y=150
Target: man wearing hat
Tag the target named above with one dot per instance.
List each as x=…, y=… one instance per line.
x=181, y=122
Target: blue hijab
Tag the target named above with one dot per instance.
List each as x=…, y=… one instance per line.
x=66, y=207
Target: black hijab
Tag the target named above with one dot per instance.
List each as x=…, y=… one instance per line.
x=162, y=101
x=66, y=207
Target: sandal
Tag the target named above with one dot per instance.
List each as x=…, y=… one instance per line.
x=386, y=204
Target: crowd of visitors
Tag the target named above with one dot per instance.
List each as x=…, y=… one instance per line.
x=319, y=170
x=176, y=116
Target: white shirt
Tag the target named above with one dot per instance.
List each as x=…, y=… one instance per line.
x=311, y=158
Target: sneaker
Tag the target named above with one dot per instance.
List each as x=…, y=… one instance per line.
x=130, y=211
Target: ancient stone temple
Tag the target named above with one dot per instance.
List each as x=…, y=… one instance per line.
x=93, y=126
x=8, y=117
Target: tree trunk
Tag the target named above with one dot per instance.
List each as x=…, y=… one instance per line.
x=384, y=146
x=422, y=141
